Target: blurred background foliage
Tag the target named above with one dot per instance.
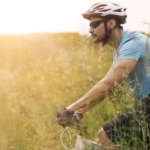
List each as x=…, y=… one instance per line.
x=43, y=73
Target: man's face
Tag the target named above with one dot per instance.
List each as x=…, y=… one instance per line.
x=97, y=29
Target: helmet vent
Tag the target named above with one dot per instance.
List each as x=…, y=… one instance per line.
x=105, y=10
x=100, y=6
x=115, y=4
x=118, y=10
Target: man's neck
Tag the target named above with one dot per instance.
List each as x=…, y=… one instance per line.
x=114, y=38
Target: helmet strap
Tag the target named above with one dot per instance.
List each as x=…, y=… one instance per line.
x=107, y=33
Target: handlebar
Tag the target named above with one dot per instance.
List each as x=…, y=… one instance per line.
x=82, y=128
x=73, y=120
x=75, y=124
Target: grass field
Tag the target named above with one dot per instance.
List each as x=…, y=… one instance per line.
x=43, y=73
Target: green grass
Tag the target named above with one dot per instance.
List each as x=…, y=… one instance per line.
x=43, y=73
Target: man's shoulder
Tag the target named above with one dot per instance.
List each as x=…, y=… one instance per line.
x=132, y=37
x=133, y=34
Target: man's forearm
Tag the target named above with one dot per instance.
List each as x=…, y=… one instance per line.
x=85, y=109
x=91, y=98
x=113, y=78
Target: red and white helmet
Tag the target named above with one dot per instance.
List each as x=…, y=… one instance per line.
x=106, y=9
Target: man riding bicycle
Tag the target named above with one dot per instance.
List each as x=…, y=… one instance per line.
x=131, y=62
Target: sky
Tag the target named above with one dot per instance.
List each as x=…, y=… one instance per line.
x=44, y=16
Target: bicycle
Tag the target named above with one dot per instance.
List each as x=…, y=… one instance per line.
x=82, y=143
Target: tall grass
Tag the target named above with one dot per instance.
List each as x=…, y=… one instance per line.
x=42, y=73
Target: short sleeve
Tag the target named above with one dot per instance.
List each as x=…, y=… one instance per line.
x=131, y=49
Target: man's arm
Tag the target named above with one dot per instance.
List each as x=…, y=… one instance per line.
x=115, y=75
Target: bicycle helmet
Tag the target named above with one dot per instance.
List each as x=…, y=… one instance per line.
x=106, y=9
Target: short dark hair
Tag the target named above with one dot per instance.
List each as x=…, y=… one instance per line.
x=118, y=23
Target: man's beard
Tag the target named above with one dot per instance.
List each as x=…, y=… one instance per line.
x=103, y=41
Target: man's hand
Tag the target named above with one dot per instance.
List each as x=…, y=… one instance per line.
x=67, y=117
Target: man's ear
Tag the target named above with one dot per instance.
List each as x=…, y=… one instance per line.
x=111, y=23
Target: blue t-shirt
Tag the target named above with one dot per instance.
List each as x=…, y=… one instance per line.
x=136, y=46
